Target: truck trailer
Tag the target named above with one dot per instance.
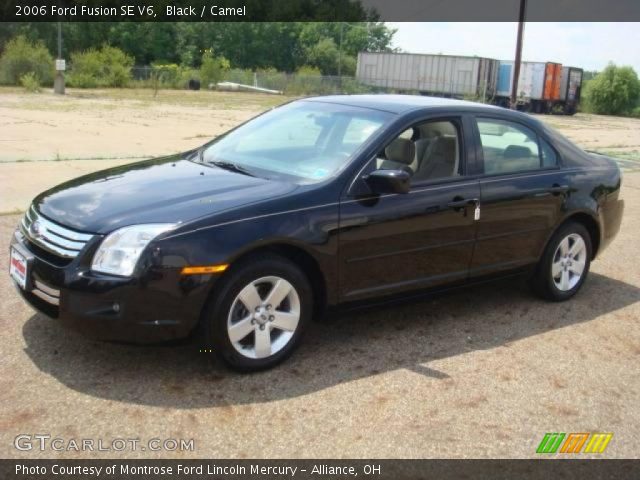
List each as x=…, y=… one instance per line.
x=570, y=89
x=438, y=75
x=543, y=87
x=539, y=86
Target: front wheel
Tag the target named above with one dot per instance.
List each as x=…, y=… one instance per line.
x=565, y=263
x=256, y=318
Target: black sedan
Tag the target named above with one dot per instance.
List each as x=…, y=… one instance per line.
x=323, y=202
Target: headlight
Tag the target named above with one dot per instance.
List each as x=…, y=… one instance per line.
x=120, y=251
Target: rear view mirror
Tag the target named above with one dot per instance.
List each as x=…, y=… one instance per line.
x=389, y=181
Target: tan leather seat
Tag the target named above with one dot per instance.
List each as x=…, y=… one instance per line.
x=439, y=159
x=400, y=155
x=519, y=158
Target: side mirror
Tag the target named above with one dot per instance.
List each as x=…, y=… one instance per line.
x=389, y=181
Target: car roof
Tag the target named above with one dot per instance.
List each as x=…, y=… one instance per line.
x=400, y=103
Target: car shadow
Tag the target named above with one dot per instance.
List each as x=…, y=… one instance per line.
x=351, y=347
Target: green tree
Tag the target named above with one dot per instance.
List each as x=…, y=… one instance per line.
x=324, y=55
x=614, y=91
x=327, y=44
x=284, y=46
x=257, y=45
x=21, y=57
x=367, y=37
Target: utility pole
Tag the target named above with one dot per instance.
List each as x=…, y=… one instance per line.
x=340, y=39
x=58, y=83
x=340, y=55
x=516, y=64
x=59, y=39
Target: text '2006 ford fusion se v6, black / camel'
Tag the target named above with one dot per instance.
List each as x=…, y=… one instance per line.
x=322, y=202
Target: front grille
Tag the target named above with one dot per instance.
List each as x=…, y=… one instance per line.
x=51, y=236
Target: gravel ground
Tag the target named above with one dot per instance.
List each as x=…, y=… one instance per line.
x=483, y=372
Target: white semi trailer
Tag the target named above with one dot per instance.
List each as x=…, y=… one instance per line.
x=442, y=75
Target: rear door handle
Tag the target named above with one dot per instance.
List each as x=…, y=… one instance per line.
x=556, y=189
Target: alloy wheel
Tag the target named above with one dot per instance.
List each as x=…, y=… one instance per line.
x=264, y=317
x=569, y=261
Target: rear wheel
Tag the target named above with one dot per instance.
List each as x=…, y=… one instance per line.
x=565, y=263
x=256, y=318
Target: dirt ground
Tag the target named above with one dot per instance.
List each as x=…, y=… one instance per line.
x=101, y=124
x=483, y=372
x=87, y=130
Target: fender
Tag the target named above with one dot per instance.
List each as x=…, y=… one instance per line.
x=566, y=217
x=310, y=230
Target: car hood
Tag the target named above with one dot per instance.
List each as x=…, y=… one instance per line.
x=166, y=190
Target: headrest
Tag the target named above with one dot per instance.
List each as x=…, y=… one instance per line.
x=401, y=150
x=517, y=151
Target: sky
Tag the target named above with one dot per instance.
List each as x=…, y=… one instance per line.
x=586, y=45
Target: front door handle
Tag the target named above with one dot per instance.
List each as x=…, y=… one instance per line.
x=460, y=203
x=457, y=204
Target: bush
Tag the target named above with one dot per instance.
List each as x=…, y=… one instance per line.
x=271, y=78
x=107, y=67
x=309, y=71
x=349, y=65
x=30, y=82
x=167, y=73
x=614, y=91
x=352, y=86
x=22, y=57
x=83, y=80
x=239, y=75
x=212, y=69
x=172, y=75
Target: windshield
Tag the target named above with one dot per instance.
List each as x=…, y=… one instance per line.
x=306, y=141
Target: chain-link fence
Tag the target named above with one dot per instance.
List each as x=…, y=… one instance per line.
x=299, y=84
x=172, y=76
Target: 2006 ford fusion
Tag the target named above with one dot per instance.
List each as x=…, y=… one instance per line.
x=319, y=203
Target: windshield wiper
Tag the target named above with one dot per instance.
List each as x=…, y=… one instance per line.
x=232, y=167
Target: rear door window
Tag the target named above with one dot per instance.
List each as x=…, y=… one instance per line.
x=509, y=147
x=549, y=156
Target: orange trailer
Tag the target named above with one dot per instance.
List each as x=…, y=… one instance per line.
x=552, y=81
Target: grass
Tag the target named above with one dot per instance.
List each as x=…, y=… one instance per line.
x=629, y=161
x=15, y=211
x=204, y=98
x=633, y=155
x=618, y=145
x=58, y=158
x=76, y=99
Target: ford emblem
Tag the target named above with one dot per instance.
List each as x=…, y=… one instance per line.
x=35, y=229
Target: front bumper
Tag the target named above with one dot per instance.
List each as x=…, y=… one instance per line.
x=154, y=306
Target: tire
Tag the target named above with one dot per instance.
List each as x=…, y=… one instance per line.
x=237, y=325
x=558, y=277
